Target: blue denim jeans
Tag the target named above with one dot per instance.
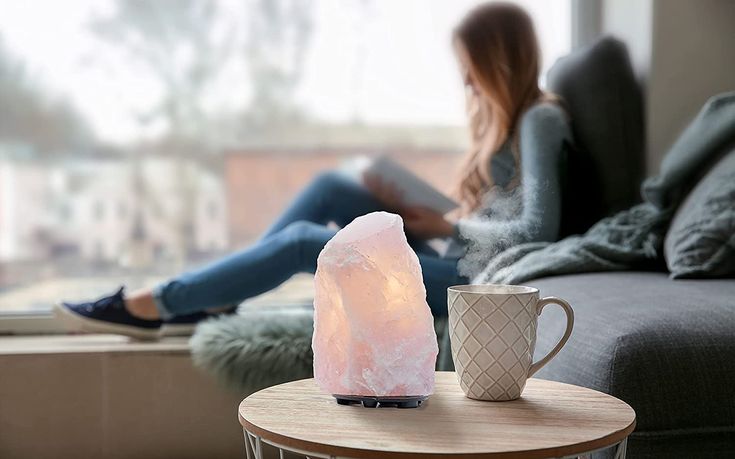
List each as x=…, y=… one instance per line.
x=291, y=245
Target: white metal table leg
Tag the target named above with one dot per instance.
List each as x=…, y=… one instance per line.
x=622, y=449
x=254, y=446
x=247, y=444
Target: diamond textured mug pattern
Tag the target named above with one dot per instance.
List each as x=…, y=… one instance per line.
x=492, y=330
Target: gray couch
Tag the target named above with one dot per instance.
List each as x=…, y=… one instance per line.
x=666, y=347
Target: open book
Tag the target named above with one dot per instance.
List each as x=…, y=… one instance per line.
x=414, y=190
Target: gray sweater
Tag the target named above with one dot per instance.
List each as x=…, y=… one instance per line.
x=531, y=212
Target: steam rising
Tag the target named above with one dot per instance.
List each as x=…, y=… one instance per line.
x=507, y=218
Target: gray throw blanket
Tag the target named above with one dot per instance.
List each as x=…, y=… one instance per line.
x=635, y=236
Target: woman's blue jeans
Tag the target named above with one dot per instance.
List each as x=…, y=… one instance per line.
x=291, y=245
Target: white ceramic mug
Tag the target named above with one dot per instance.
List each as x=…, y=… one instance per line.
x=492, y=329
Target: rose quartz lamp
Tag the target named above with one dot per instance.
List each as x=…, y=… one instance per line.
x=374, y=341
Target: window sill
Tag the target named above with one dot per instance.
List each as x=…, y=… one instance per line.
x=68, y=344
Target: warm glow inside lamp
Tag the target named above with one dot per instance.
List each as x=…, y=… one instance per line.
x=374, y=340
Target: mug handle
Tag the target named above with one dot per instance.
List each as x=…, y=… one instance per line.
x=567, y=333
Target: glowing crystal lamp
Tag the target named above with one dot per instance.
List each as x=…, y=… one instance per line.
x=374, y=339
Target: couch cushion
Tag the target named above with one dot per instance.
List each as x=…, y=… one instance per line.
x=701, y=239
x=667, y=347
x=606, y=106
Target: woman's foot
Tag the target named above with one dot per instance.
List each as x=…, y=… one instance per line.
x=107, y=315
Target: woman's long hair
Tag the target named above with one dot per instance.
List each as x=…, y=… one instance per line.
x=504, y=64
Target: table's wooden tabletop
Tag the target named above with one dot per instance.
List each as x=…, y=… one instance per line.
x=551, y=419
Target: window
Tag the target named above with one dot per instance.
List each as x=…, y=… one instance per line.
x=143, y=138
x=98, y=210
x=122, y=211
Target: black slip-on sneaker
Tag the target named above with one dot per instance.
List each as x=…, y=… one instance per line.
x=106, y=315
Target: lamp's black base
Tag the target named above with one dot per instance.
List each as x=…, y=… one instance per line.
x=373, y=402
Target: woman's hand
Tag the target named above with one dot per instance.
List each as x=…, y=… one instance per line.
x=425, y=223
x=386, y=193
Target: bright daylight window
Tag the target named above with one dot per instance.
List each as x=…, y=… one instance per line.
x=139, y=138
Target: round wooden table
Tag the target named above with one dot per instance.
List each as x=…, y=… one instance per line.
x=551, y=419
